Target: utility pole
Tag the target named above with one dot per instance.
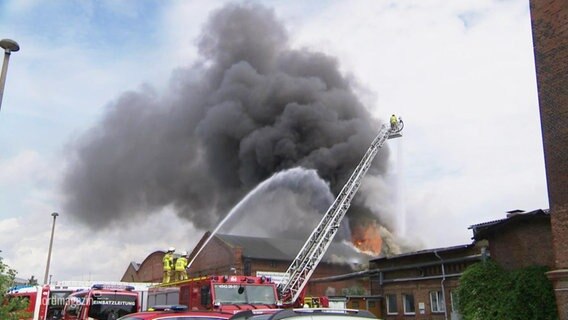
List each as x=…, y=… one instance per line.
x=54, y=215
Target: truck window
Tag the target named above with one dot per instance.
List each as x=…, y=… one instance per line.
x=73, y=306
x=56, y=304
x=260, y=294
x=230, y=294
x=205, y=296
x=112, y=306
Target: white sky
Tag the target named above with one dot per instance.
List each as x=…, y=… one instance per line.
x=460, y=73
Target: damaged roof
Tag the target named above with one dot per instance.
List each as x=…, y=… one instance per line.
x=287, y=249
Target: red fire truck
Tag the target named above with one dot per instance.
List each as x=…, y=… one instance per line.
x=232, y=293
x=220, y=293
x=101, y=302
x=44, y=302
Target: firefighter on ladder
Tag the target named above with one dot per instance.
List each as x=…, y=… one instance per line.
x=393, y=122
x=181, y=264
x=168, y=262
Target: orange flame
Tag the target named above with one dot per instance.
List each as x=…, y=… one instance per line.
x=367, y=238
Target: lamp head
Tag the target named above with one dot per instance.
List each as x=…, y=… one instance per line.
x=9, y=45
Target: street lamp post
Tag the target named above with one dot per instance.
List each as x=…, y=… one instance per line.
x=9, y=46
x=54, y=215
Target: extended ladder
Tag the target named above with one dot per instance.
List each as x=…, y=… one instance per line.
x=301, y=269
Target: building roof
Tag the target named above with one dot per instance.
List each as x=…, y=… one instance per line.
x=135, y=265
x=445, y=250
x=287, y=249
x=480, y=230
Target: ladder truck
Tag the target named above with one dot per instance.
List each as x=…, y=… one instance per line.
x=236, y=292
x=291, y=290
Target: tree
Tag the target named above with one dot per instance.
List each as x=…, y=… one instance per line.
x=532, y=295
x=488, y=292
x=10, y=309
x=482, y=292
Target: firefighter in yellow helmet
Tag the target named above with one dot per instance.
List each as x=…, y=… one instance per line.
x=181, y=264
x=168, y=262
x=393, y=122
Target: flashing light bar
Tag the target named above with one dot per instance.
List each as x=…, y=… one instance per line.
x=176, y=307
x=101, y=286
x=245, y=279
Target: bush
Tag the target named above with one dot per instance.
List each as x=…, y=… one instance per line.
x=10, y=309
x=532, y=295
x=482, y=293
x=487, y=292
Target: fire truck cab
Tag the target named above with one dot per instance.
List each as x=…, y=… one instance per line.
x=45, y=302
x=220, y=293
x=107, y=302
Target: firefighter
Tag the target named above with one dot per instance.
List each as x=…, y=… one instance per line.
x=181, y=264
x=394, y=122
x=168, y=262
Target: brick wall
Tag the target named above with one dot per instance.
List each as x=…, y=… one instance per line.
x=550, y=34
x=421, y=293
x=131, y=275
x=217, y=258
x=550, y=37
x=523, y=244
x=150, y=270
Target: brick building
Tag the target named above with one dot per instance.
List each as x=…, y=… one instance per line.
x=522, y=239
x=550, y=37
x=415, y=284
x=422, y=284
x=226, y=254
x=149, y=270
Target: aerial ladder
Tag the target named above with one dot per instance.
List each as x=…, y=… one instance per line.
x=301, y=269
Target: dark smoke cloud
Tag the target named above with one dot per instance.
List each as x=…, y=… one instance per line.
x=250, y=107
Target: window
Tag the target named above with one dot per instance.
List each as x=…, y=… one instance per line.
x=408, y=303
x=391, y=304
x=454, y=300
x=437, y=301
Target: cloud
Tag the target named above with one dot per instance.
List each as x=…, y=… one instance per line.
x=79, y=253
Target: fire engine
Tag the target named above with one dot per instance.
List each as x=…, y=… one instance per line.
x=101, y=301
x=45, y=302
x=220, y=293
x=234, y=293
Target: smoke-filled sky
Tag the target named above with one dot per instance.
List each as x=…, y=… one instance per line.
x=249, y=107
x=144, y=122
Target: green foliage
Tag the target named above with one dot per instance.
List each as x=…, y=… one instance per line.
x=488, y=292
x=10, y=309
x=482, y=293
x=532, y=295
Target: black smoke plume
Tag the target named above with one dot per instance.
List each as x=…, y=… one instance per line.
x=250, y=107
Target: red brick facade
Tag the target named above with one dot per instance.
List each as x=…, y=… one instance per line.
x=219, y=257
x=419, y=275
x=520, y=241
x=150, y=270
x=550, y=37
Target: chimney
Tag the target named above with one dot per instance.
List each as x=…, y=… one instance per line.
x=515, y=212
